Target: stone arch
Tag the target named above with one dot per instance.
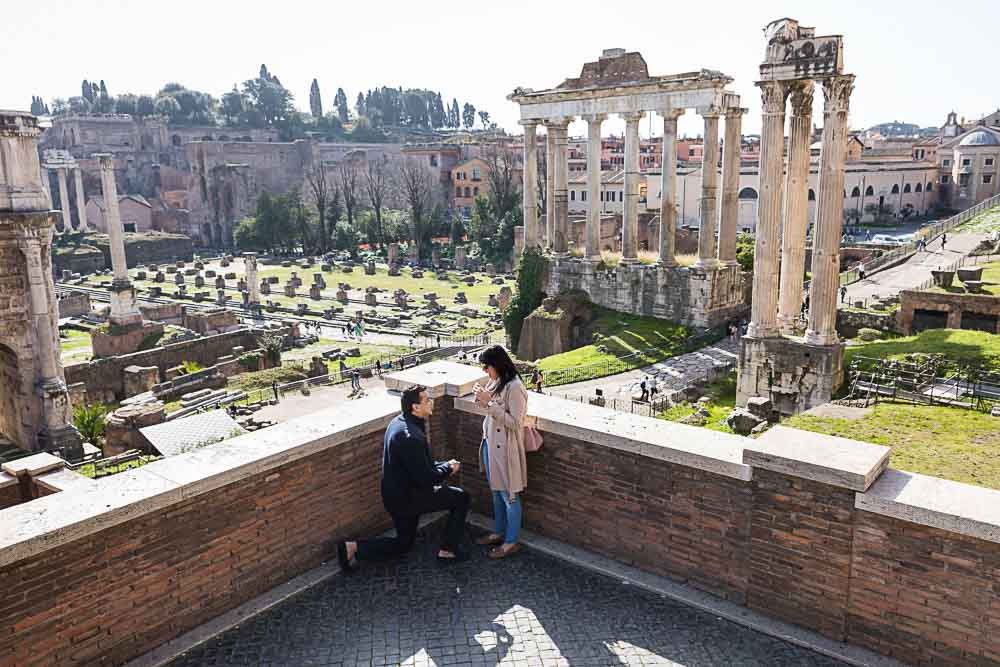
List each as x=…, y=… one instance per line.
x=856, y=192
x=747, y=193
x=895, y=189
x=11, y=427
x=869, y=191
x=907, y=189
x=919, y=188
x=930, y=187
x=812, y=195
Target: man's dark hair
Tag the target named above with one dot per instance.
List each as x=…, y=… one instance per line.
x=411, y=397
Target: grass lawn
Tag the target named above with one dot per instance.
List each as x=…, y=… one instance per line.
x=984, y=223
x=991, y=281
x=953, y=443
x=264, y=379
x=369, y=352
x=723, y=395
x=75, y=345
x=619, y=334
x=959, y=346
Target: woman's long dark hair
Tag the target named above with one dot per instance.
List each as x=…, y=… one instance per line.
x=498, y=358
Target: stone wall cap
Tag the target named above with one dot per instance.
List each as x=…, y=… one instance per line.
x=691, y=446
x=939, y=503
x=7, y=480
x=442, y=378
x=33, y=465
x=850, y=464
x=63, y=480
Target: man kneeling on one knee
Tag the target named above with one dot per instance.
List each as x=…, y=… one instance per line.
x=412, y=484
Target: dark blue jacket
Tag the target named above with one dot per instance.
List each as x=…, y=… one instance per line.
x=407, y=467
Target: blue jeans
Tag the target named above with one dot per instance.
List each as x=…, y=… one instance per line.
x=506, y=507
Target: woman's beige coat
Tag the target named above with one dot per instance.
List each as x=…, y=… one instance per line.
x=504, y=426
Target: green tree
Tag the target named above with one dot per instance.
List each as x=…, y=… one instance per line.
x=359, y=105
x=127, y=103
x=468, y=115
x=528, y=296
x=340, y=103
x=744, y=251
x=79, y=105
x=87, y=91
x=457, y=232
x=145, y=105
x=454, y=115
x=233, y=106
x=89, y=421
x=438, y=116
x=270, y=101
x=484, y=118
x=315, y=100
x=104, y=100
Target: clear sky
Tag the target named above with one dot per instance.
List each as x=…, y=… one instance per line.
x=915, y=60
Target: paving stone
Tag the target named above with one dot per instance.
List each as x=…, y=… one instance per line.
x=527, y=610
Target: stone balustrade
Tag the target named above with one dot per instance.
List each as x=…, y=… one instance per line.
x=811, y=529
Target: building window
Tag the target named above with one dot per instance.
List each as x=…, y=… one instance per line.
x=930, y=187
x=475, y=192
x=475, y=174
x=987, y=179
x=988, y=162
x=906, y=189
x=747, y=193
x=945, y=163
x=856, y=192
x=572, y=195
x=895, y=189
x=458, y=192
x=812, y=195
x=945, y=178
x=434, y=160
x=869, y=191
x=919, y=188
x=963, y=180
x=966, y=162
x=621, y=196
x=690, y=152
x=128, y=227
x=467, y=193
x=466, y=212
x=583, y=196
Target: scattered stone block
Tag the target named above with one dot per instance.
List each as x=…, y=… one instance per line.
x=370, y=268
x=417, y=273
x=743, y=421
x=342, y=295
x=461, y=298
x=199, y=281
x=370, y=299
x=209, y=273
x=171, y=269
x=139, y=275
x=179, y=278
x=230, y=276
x=315, y=292
x=760, y=407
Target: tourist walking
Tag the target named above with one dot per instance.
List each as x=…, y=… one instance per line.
x=378, y=367
x=412, y=483
x=861, y=273
x=540, y=381
x=502, y=453
x=843, y=293
x=644, y=389
x=944, y=239
x=652, y=389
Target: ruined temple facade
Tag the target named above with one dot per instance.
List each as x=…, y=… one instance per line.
x=797, y=370
x=35, y=411
x=704, y=295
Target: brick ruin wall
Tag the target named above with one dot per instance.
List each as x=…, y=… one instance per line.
x=958, y=311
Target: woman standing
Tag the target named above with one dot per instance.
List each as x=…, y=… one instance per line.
x=501, y=453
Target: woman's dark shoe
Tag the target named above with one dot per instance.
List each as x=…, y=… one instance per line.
x=460, y=556
x=491, y=539
x=345, y=563
x=504, y=551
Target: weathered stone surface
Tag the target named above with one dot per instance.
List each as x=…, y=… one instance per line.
x=547, y=332
x=760, y=407
x=742, y=421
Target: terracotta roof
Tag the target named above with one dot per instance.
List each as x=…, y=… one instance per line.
x=99, y=201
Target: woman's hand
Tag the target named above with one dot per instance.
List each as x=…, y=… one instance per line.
x=483, y=397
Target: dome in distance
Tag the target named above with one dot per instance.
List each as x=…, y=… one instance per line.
x=980, y=138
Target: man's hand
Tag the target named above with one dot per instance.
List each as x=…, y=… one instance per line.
x=455, y=466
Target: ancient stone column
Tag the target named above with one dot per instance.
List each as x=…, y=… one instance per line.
x=560, y=242
x=550, y=182
x=796, y=218
x=630, y=221
x=46, y=186
x=668, y=188
x=730, y=186
x=81, y=204
x=123, y=307
x=253, y=284
x=709, y=192
x=822, y=328
x=530, y=193
x=593, y=236
x=764, y=309
x=67, y=217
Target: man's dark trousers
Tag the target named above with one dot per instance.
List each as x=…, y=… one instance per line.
x=449, y=498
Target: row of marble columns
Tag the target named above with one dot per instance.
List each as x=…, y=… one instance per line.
x=81, y=209
x=779, y=256
x=713, y=214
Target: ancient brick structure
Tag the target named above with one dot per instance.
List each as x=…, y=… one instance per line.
x=935, y=310
x=34, y=402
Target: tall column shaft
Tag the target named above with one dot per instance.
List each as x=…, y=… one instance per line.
x=730, y=186
x=30, y=244
x=252, y=280
x=530, y=191
x=796, y=220
x=550, y=183
x=67, y=219
x=593, y=236
x=560, y=242
x=81, y=204
x=46, y=186
x=124, y=310
x=668, y=189
x=822, y=328
x=709, y=192
x=630, y=221
x=764, y=308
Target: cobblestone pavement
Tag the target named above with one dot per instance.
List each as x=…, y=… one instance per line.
x=525, y=611
x=672, y=373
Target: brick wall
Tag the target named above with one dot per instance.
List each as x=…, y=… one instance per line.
x=116, y=593
x=687, y=524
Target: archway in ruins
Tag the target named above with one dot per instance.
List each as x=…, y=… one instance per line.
x=10, y=408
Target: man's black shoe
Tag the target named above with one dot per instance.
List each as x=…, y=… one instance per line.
x=460, y=557
x=345, y=563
